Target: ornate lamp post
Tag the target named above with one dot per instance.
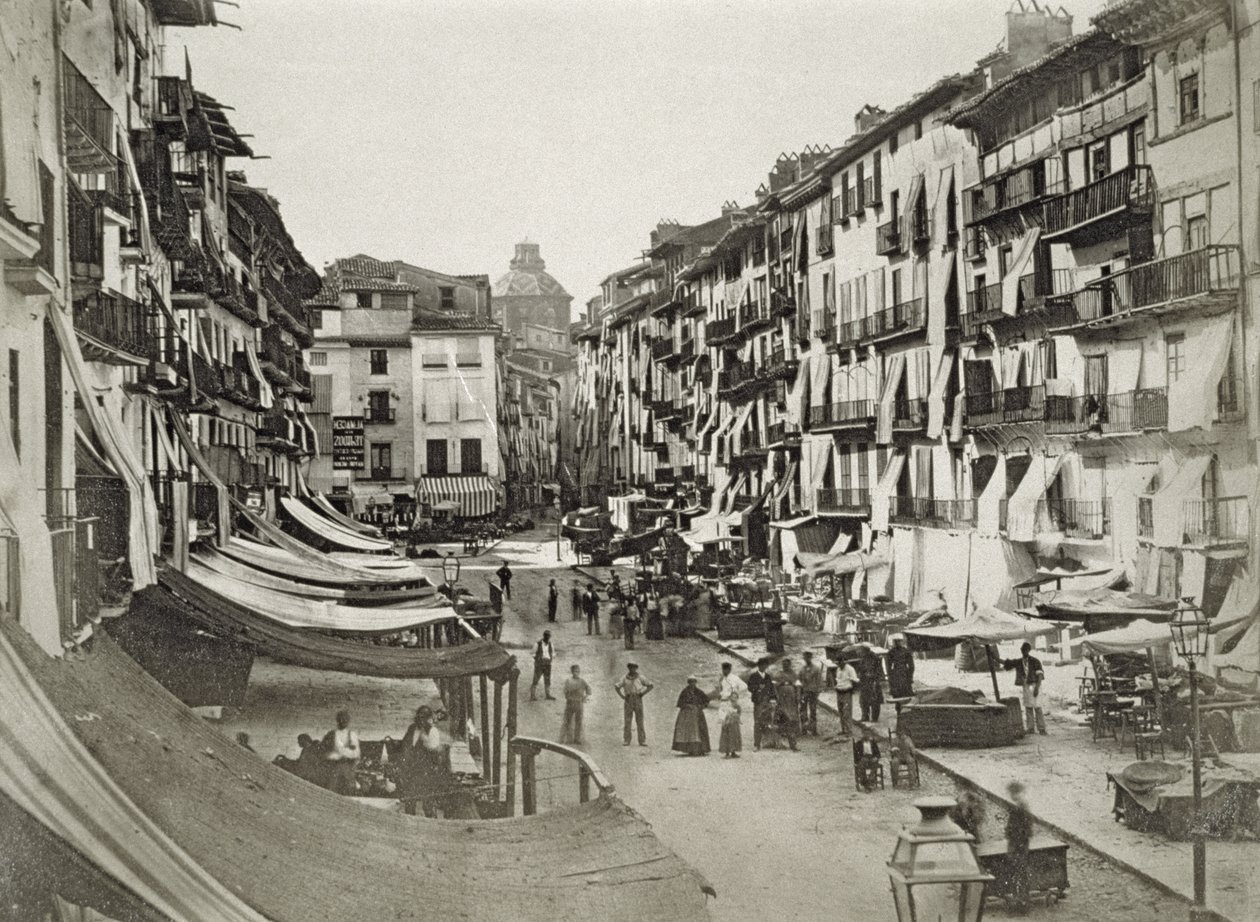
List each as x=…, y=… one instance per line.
x=450, y=570
x=1190, y=637
x=934, y=872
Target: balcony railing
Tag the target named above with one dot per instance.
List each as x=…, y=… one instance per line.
x=1010, y=191
x=1013, y=405
x=1132, y=411
x=1212, y=269
x=782, y=304
x=906, y=317
x=383, y=415
x=825, y=325
x=844, y=501
x=753, y=315
x=750, y=443
x=1216, y=521
x=778, y=433
x=975, y=243
x=850, y=333
x=116, y=326
x=737, y=376
x=719, y=331
x=1076, y=518
x=910, y=413
x=932, y=513
x=1146, y=517
x=1130, y=188
x=86, y=232
x=888, y=238
x=662, y=348
x=779, y=364
x=847, y=413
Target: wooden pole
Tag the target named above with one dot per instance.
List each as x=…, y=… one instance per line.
x=1159, y=704
x=511, y=733
x=988, y=655
x=529, y=792
x=584, y=783
x=484, y=721
x=497, y=742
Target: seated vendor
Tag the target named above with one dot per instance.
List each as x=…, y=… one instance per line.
x=424, y=773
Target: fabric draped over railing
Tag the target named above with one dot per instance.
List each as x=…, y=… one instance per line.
x=1016, y=270
x=884, y=489
x=887, y=396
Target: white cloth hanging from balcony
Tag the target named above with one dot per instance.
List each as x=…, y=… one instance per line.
x=1016, y=270
x=907, y=209
x=936, y=397
x=1192, y=398
x=268, y=397
x=143, y=536
x=990, y=498
x=1168, y=504
x=940, y=205
x=884, y=489
x=887, y=396
x=1021, y=508
x=800, y=392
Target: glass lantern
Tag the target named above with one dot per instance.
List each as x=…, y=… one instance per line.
x=450, y=568
x=934, y=872
x=1189, y=631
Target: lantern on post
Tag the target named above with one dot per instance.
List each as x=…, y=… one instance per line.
x=934, y=872
x=450, y=568
x=1190, y=638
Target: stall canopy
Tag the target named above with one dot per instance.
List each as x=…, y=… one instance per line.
x=1101, y=609
x=1142, y=635
x=175, y=809
x=316, y=568
x=475, y=493
x=221, y=563
x=817, y=563
x=329, y=530
x=328, y=510
x=986, y=625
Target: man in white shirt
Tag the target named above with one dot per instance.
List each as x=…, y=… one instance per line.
x=343, y=754
x=544, y=653
x=631, y=690
x=846, y=682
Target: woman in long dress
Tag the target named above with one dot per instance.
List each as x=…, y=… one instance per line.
x=729, y=691
x=691, y=731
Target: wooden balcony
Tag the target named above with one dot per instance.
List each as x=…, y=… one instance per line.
x=1120, y=195
x=113, y=329
x=850, y=414
x=720, y=332
x=888, y=238
x=1004, y=195
x=1201, y=280
x=843, y=502
x=932, y=513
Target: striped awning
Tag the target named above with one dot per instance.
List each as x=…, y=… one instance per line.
x=475, y=493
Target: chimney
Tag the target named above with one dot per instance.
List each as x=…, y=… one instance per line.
x=1032, y=29
x=730, y=207
x=868, y=116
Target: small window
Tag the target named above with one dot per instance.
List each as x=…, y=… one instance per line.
x=319, y=359
x=433, y=360
x=446, y=294
x=468, y=359
x=1197, y=232
x=317, y=319
x=379, y=360
x=1137, y=144
x=1175, y=353
x=363, y=298
x=1189, y=98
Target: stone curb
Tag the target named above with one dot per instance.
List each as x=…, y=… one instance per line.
x=1213, y=915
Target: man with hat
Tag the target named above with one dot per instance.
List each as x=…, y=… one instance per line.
x=761, y=690
x=1028, y=678
x=811, y=676
x=631, y=690
x=900, y=671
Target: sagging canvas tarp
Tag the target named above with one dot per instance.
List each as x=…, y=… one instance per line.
x=320, y=502
x=1102, y=609
x=224, y=564
x=326, y=572
x=1141, y=635
x=47, y=771
x=330, y=531
x=986, y=625
x=234, y=818
x=229, y=619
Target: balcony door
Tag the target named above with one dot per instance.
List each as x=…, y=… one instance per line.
x=382, y=461
x=470, y=456
x=435, y=456
x=378, y=406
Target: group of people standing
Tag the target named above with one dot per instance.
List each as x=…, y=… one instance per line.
x=631, y=613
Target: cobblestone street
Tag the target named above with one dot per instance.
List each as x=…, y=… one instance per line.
x=775, y=831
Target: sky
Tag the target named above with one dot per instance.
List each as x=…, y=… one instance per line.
x=442, y=132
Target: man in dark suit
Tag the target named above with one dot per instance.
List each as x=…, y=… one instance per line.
x=590, y=605
x=761, y=690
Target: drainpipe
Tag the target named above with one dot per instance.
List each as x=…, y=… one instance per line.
x=1253, y=425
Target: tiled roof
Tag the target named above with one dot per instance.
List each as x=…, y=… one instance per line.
x=366, y=266
x=222, y=135
x=434, y=321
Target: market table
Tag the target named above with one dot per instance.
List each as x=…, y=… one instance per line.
x=1047, y=867
x=1229, y=801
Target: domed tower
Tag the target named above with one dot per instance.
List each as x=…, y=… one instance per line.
x=527, y=294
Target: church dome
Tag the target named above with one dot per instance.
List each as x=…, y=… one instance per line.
x=527, y=276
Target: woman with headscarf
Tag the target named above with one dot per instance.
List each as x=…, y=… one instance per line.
x=729, y=692
x=691, y=731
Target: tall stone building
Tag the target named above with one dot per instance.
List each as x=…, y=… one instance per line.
x=527, y=294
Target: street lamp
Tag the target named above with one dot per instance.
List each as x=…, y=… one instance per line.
x=934, y=872
x=450, y=569
x=1190, y=637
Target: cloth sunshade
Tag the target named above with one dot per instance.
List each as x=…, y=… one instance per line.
x=329, y=530
x=475, y=493
x=936, y=397
x=1192, y=397
x=1084, y=604
x=236, y=817
x=887, y=396
x=320, y=570
x=1141, y=635
x=1185, y=483
x=1016, y=270
x=794, y=523
x=222, y=563
x=986, y=625
x=1021, y=508
x=784, y=484
x=883, y=491
x=321, y=502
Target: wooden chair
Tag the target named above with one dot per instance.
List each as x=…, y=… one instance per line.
x=903, y=760
x=868, y=767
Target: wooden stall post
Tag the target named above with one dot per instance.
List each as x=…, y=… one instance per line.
x=485, y=724
x=584, y=783
x=511, y=733
x=529, y=782
x=497, y=742
x=988, y=655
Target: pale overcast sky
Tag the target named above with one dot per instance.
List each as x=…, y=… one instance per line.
x=443, y=131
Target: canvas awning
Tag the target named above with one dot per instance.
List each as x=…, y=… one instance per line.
x=177, y=808
x=840, y=564
x=784, y=484
x=884, y=489
x=326, y=508
x=896, y=369
x=475, y=493
x=1016, y=270
x=329, y=530
x=794, y=523
x=907, y=211
x=1141, y=635
x=1192, y=398
x=228, y=566
x=1021, y=507
x=733, y=489
x=1185, y=482
x=800, y=390
x=936, y=397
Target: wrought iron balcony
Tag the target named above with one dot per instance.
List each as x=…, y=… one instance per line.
x=984, y=306
x=1013, y=405
x=1128, y=190
x=843, y=502
x=906, y=317
x=850, y=333
x=888, y=238
x=686, y=351
x=737, y=376
x=1076, y=518
x=754, y=316
x=778, y=434
x=276, y=432
x=665, y=409
x=113, y=328
x=825, y=325
x=848, y=414
x=1132, y=411
x=1213, y=522
x=718, y=332
x=662, y=348
x=379, y=415
x=782, y=303
x=780, y=364
x=86, y=233
x=932, y=513
x=975, y=243
x=750, y=443
x=910, y=414
x=1192, y=280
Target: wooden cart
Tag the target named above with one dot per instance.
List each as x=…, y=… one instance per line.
x=1047, y=868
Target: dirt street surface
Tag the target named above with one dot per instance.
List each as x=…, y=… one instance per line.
x=776, y=832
